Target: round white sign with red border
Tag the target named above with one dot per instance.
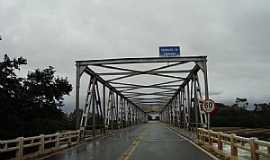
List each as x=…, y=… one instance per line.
x=209, y=105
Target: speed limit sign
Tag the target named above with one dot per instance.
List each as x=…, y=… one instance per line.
x=209, y=106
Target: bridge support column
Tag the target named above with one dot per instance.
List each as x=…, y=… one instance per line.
x=77, y=110
x=104, y=109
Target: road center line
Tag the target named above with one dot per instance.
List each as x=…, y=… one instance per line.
x=126, y=155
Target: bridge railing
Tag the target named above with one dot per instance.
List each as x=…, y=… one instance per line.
x=229, y=145
x=24, y=148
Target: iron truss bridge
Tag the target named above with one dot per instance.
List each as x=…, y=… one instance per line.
x=120, y=92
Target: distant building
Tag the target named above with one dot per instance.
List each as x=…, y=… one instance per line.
x=241, y=103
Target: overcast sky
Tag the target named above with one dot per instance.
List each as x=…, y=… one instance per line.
x=234, y=34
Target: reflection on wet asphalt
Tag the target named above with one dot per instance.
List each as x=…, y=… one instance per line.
x=108, y=148
x=160, y=143
x=154, y=141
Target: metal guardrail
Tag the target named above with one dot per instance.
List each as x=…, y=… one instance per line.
x=216, y=141
x=24, y=148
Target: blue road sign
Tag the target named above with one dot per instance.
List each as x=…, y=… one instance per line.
x=169, y=51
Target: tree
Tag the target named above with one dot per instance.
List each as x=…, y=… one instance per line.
x=228, y=116
x=10, y=88
x=46, y=90
x=45, y=93
x=9, y=83
x=32, y=105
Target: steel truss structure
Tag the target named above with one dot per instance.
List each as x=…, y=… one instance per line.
x=115, y=100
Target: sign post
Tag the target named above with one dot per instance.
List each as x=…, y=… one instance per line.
x=208, y=107
x=208, y=117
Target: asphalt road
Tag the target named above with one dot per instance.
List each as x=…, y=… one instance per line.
x=152, y=141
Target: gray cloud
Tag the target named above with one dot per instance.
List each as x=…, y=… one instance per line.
x=233, y=34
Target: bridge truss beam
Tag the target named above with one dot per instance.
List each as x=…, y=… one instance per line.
x=118, y=103
x=114, y=109
x=185, y=107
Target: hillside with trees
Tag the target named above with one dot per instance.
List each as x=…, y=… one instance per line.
x=233, y=116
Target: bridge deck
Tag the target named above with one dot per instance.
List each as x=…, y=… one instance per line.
x=144, y=142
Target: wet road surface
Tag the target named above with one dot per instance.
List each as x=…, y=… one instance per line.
x=151, y=141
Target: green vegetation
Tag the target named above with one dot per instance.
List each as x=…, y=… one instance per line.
x=233, y=116
x=32, y=105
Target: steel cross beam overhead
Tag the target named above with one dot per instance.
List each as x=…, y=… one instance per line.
x=143, y=60
x=131, y=84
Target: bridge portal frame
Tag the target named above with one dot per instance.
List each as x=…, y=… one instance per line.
x=178, y=105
